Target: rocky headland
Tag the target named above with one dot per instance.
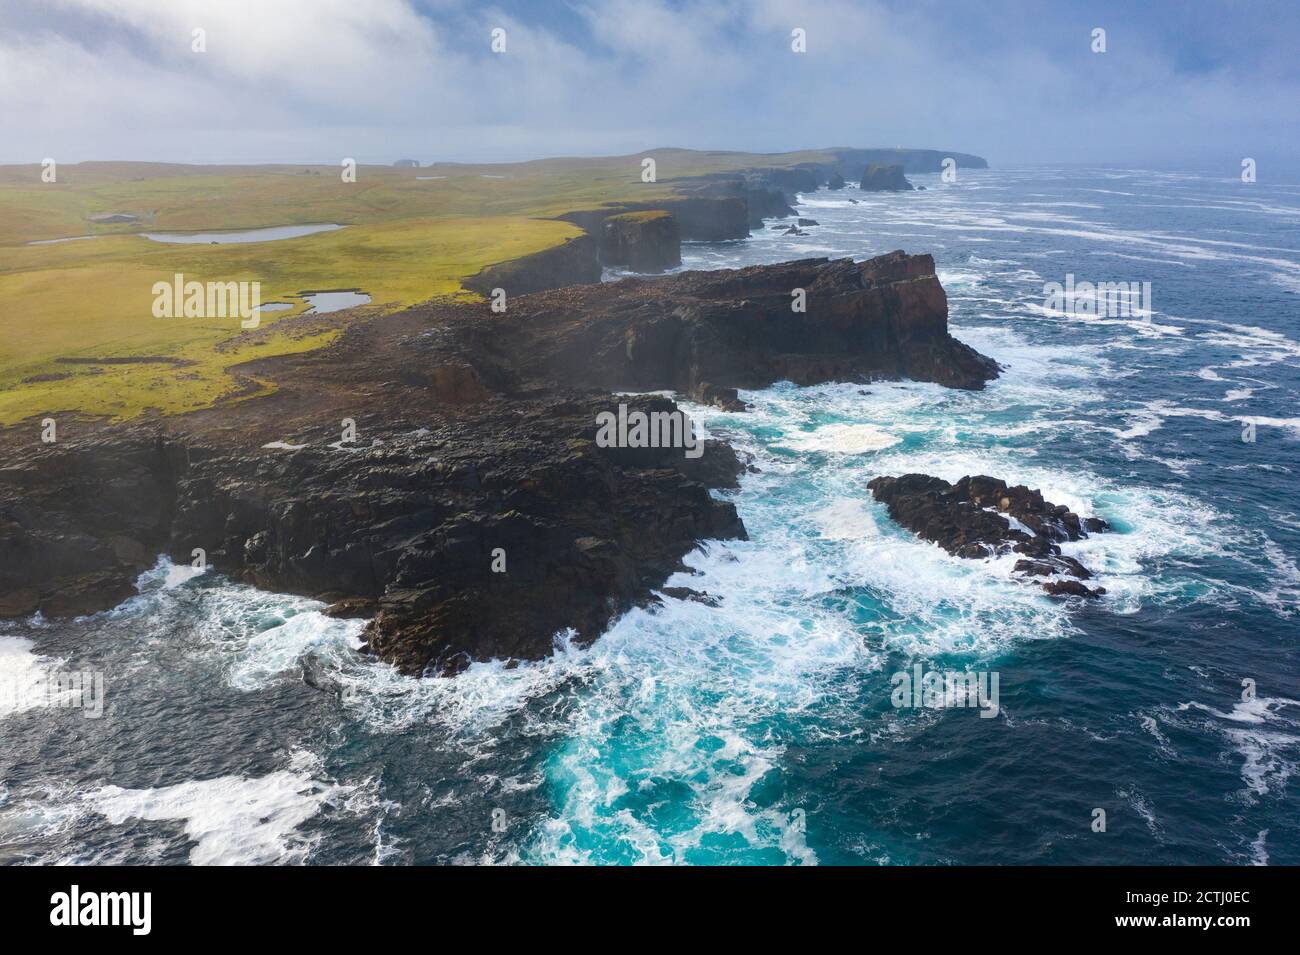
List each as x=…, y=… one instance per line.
x=713, y=207
x=438, y=471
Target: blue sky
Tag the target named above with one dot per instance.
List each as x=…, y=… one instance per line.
x=316, y=80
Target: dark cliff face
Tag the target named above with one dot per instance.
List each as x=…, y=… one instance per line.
x=719, y=206
x=766, y=203
x=476, y=450
x=573, y=263
x=75, y=528
x=647, y=242
x=704, y=214
x=762, y=197
x=405, y=524
x=884, y=318
x=790, y=180
x=704, y=218
x=877, y=178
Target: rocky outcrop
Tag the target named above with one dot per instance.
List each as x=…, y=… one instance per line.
x=647, y=242
x=703, y=218
x=761, y=198
x=708, y=213
x=725, y=205
x=727, y=399
x=877, y=178
x=883, y=318
x=476, y=514
x=481, y=536
x=574, y=262
x=791, y=180
x=75, y=532
x=982, y=517
x=766, y=203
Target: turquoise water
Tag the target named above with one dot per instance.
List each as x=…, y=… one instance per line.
x=243, y=726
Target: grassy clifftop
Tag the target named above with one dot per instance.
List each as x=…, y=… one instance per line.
x=77, y=334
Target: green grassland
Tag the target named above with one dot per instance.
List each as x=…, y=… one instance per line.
x=77, y=331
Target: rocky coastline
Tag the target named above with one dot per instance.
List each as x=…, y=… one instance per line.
x=439, y=470
x=646, y=237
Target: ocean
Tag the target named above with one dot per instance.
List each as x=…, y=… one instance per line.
x=1157, y=725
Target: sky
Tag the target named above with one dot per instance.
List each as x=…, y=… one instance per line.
x=377, y=80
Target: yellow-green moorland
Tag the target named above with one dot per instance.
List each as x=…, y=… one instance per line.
x=77, y=329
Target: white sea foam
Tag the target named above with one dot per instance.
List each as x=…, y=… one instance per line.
x=1263, y=732
x=283, y=446
x=845, y=519
x=235, y=820
x=25, y=678
x=278, y=649
x=841, y=439
x=1259, y=849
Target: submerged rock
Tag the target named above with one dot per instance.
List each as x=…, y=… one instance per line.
x=982, y=517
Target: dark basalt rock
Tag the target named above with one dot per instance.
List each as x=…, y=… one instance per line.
x=707, y=212
x=407, y=528
x=475, y=431
x=574, y=263
x=686, y=593
x=704, y=218
x=762, y=197
x=726, y=205
x=724, y=398
x=970, y=519
x=647, y=242
x=766, y=203
x=877, y=178
x=790, y=180
x=886, y=318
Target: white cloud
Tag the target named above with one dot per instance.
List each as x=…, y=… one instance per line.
x=317, y=79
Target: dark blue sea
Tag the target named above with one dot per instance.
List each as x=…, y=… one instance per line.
x=242, y=726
